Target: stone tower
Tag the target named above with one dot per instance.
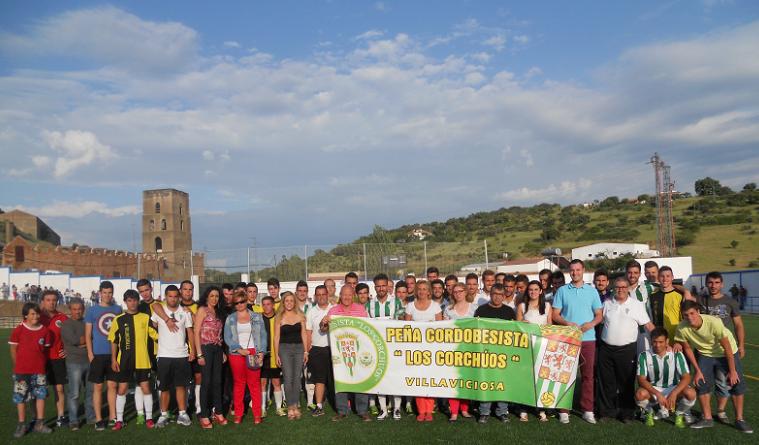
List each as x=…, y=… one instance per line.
x=167, y=232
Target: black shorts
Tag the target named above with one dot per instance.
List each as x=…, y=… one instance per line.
x=319, y=364
x=56, y=372
x=100, y=369
x=270, y=373
x=173, y=372
x=128, y=375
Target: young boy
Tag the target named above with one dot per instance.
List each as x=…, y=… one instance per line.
x=130, y=336
x=29, y=343
x=663, y=378
x=717, y=353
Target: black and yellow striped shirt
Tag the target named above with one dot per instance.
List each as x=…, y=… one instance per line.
x=132, y=334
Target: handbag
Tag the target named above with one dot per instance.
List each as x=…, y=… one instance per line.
x=254, y=361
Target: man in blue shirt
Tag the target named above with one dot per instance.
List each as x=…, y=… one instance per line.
x=97, y=324
x=578, y=304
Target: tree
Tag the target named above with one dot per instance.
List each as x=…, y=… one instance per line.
x=550, y=233
x=732, y=262
x=733, y=244
x=611, y=202
x=750, y=187
x=707, y=186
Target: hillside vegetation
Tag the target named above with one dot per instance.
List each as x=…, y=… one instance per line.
x=718, y=229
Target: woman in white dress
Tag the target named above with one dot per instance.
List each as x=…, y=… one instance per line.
x=534, y=309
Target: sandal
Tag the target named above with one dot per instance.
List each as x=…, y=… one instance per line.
x=220, y=419
x=205, y=423
x=542, y=417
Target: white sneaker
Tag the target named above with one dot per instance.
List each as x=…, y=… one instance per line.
x=663, y=414
x=564, y=418
x=184, y=420
x=589, y=417
x=162, y=422
x=382, y=415
x=397, y=414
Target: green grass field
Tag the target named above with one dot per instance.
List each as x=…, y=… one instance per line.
x=322, y=431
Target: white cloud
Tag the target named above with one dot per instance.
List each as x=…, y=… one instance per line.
x=77, y=209
x=566, y=189
x=527, y=157
x=482, y=57
x=208, y=155
x=533, y=72
x=368, y=35
x=75, y=149
x=380, y=6
x=232, y=44
x=521, y=39
x=474, y=78
x=498, y=42
x=108, y=36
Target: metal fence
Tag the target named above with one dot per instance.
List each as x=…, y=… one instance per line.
x=743, y=285
x=366, y=259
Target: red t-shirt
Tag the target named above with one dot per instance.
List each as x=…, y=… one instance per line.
x=31, y=352
x=53, y=324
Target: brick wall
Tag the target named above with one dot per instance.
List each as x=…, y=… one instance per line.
x=21, y=255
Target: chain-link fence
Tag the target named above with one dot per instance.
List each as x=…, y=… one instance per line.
x=366, y=259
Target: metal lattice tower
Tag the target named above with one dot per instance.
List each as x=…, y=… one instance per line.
x=665, y=225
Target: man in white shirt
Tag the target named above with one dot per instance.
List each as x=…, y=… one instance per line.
x=174, y=356
x=389, y=308
x=488, y=280
x=622, y=316
x=319, y=357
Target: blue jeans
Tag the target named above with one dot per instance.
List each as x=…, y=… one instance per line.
x=714, y=370
x=361, y=400
x=77, y=375
x=501, y=408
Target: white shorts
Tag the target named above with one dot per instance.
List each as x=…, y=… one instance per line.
x=665, y=391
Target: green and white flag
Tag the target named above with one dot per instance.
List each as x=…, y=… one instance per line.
x=473, y=358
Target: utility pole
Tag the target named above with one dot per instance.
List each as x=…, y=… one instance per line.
x=665, y=227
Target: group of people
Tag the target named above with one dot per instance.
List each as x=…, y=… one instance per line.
x=231, y=352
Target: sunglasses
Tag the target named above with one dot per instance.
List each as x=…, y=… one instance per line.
x=240, y=302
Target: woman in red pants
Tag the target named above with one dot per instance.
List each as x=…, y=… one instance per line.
x=245, y=336
x=425, y=310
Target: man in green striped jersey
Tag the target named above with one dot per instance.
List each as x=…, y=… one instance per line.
x=385, y=307
x=663, y=378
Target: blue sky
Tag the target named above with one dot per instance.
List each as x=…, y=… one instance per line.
x=309, y=122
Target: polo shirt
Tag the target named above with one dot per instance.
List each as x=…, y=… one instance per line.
x=578, y=305
x=706, y=339
x=313, y=322
x=621, y=321
x=354, y=310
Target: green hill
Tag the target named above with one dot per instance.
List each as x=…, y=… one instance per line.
x=705, y=228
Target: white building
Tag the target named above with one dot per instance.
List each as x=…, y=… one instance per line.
x=613, y=250
x=528, y=265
